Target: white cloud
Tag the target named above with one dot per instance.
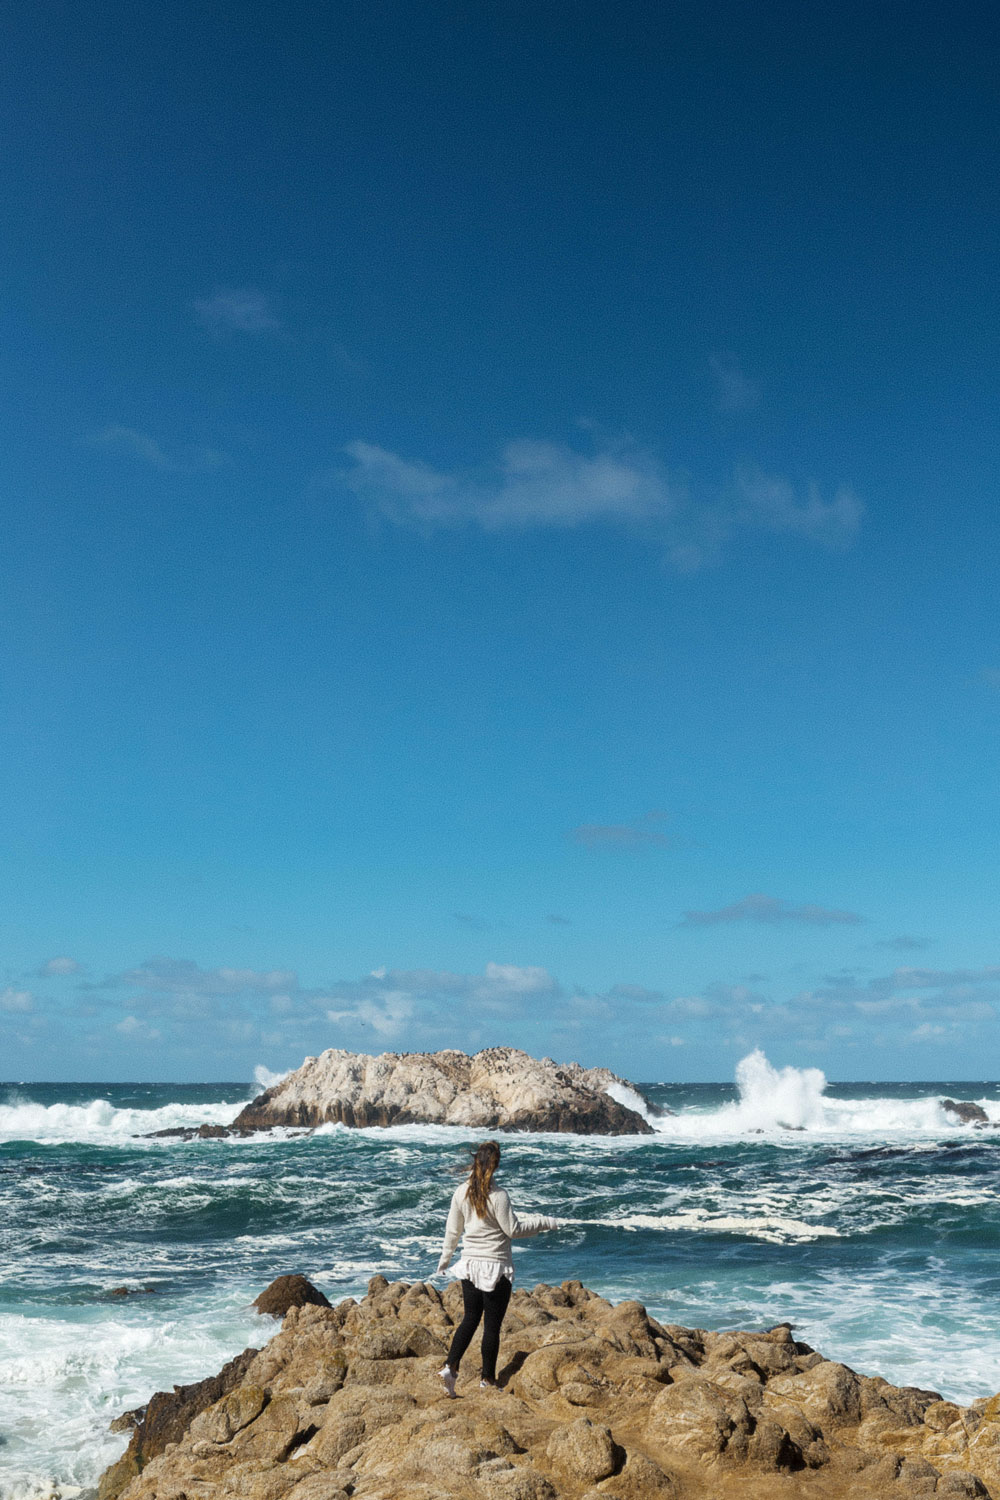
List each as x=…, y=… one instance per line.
x=180, y=976
x=734, y=390
x=771, y=911
x=16, y=1000
x=133, y=1028
x=244, y=309
x=544, y=485
x=770, y=503
x=58, y=966
x=517, y=980
x=387, y=1015
x=184, y=461
x=534, y=484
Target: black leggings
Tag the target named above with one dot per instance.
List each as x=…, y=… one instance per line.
x=490, y=1306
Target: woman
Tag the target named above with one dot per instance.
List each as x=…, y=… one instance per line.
x=482, y=1215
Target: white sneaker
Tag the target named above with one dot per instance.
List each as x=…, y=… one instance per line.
x=488, y=1385
x=448, y=1380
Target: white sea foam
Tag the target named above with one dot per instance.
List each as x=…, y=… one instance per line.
x=100, y=1123
x=775, y=1228
x=784, y=1101
x=771, y=1101
x=622, y=1094
x=62, y=1381
x=265, y=1079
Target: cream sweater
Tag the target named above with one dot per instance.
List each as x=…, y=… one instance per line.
x=489, y=1238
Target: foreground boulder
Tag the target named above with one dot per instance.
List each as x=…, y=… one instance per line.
x=599, y=1402
x=498, y=1089
x=285, y=1292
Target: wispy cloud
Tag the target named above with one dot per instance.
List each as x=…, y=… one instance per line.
x=645, y=833
x=56, y=967
x=534, y=484
x=179, y=460
x=181, y=976
x=734, y=390
x=525, y=1005
x=903, y=1007
x=244, y=309
x=771, y=911
x=904, y=979
x=769, y=503
x=388, y=1000
x=17, y=1001
x=904, y=943
x=544, y=485
x=474, y=923
x=387, y=1014
x=134, y=1029
x=557, y=920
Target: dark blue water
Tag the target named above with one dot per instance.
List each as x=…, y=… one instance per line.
x=863, y=1214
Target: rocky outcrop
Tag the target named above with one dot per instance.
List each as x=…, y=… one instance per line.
x=966, y=1111
x=289, y=1291
x=598, y=1402
x=498, y=1089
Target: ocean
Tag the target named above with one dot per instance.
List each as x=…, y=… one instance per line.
x=862, y=1213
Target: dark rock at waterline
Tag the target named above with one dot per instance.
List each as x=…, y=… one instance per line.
x=289, y=1291
x=197, y=1133
x=131, y=1291
x=966, y=1111
x=128, y=1420
x=166, y=1419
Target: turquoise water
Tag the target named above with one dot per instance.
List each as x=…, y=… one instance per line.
x=862, y=1213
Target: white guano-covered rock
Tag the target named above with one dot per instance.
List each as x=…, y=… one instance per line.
x=500, y=1088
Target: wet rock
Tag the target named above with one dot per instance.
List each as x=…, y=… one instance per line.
x=166, y=1420
x=289, y=1291
x=966, y=1111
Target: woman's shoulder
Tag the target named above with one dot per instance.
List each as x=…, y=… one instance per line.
x=496, y=1191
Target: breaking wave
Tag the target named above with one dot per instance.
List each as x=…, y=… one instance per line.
x=100, y=1122
x=776, y=1101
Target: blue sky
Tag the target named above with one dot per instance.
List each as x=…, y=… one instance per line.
x=500, y=536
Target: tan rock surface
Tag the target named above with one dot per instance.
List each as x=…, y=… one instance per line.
x=599, y=1402
x=500, y=1088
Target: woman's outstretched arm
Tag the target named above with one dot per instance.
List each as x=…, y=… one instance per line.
x=515, y=1225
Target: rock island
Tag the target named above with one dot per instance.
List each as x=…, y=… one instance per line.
x=500, y=1088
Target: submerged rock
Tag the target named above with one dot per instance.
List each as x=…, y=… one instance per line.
x=598, y=1402
x=501, y=1088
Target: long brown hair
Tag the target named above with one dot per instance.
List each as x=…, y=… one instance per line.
x=485, y=1161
